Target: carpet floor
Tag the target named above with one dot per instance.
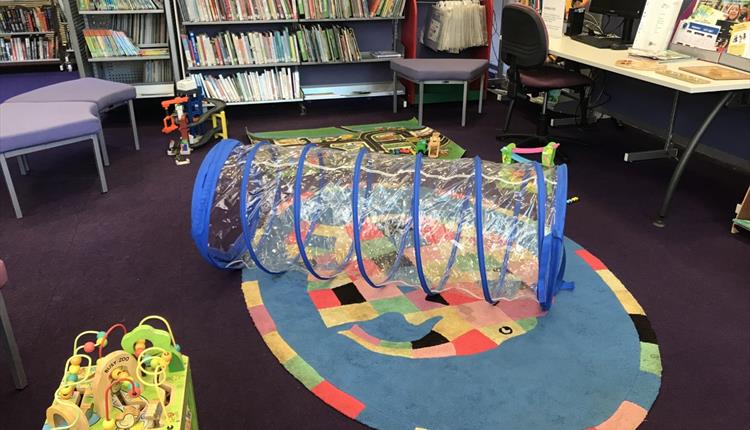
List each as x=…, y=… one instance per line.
x=81, y=260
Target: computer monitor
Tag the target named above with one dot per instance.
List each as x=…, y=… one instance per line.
x=624, y=8
x=628, y=10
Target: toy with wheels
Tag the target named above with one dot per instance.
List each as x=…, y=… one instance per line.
x=145, y=385
x=190, y=118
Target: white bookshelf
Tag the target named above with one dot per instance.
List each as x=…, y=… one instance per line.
x=388, y=30
x=126, y=69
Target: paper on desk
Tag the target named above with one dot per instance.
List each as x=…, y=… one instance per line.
x=657, y=23
x=553, y=14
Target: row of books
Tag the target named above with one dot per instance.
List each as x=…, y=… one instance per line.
x=265, y=10
x=266, y=85
x=109, y=43
x=324, y=9
x=387, y=8
x=328, y=44
x=237, y=10
x=142, y=29
x=309, y=44
x=157, y=71
x=119, y=4
x=26, y=19
x=27, y=48
x=240, y=48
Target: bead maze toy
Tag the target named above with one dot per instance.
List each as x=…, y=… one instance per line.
x=145, y=385
x=191, y=111
x=511, y=153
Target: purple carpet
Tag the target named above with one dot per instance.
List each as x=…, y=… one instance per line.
x=81, y=260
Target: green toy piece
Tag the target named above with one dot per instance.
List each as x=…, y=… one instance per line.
x=158, y=338
x=421, y=147
x=548, y=154
x=507, y=152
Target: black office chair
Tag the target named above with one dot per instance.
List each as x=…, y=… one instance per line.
x=524, y=48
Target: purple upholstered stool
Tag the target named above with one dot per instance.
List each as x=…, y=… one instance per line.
x=9, y=340
x=107, y=95
x=32, y=127
x=440, y=71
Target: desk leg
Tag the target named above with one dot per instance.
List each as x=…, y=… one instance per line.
x=686, y=156
x=669, y=150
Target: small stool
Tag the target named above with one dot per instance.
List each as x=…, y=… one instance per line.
x=440, y=71
x=19, y=376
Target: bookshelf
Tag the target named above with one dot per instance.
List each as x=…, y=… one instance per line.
x=29, y=34
x=146, y=28
x=336, y=78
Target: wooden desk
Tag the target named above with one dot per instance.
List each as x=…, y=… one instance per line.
x=604, y=59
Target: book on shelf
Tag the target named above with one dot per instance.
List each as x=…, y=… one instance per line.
x=27, y=48
x=385, y=54
x=227, y=48
x=237, y=10
x=109, y=43
x=153, y=52
x=157, y=71
x=318, y=44
x=20, y=19
x=142, y=29
x=252, y=86
x=387, y=8
x=91, y=5
x=327, y=9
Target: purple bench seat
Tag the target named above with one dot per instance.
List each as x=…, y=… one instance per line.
x=439, y=71
x=32, y=127
x=104, y=94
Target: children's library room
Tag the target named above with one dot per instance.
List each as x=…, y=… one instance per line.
x=374, y=214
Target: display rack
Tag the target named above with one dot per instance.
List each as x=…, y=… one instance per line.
x=53, y=34
x=417, y=15
x=368, y=77
x=125, y=69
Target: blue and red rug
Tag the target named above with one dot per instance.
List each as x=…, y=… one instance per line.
x=393, y=359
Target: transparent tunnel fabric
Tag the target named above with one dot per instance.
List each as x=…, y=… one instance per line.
x=494, y=231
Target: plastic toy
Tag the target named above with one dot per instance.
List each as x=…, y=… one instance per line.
x=494, y=231
x=421, y=147
x=511, y=153
x=144, y=385
x=191, y=111
x=433, y=147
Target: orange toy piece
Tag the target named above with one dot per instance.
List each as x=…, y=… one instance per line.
x=169, y=125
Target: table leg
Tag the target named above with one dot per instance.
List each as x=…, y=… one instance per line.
x=421, y=101
x=9, y=184
x=669, y=150
x=395, y=93
x=686, y=156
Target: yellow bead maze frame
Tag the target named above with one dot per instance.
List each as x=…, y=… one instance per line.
x=144, y=385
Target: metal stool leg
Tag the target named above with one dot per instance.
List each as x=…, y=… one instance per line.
x=99, y=166
x=395, y=93
x=135, y=128
x=463, y=108
x=421, y=101
x=103, y=145
x=481, y=92
x=25, y=159
x=19, y=376
x=11, y=189
x=21, y=165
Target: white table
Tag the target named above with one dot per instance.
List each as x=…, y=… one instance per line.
x=604, y=59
